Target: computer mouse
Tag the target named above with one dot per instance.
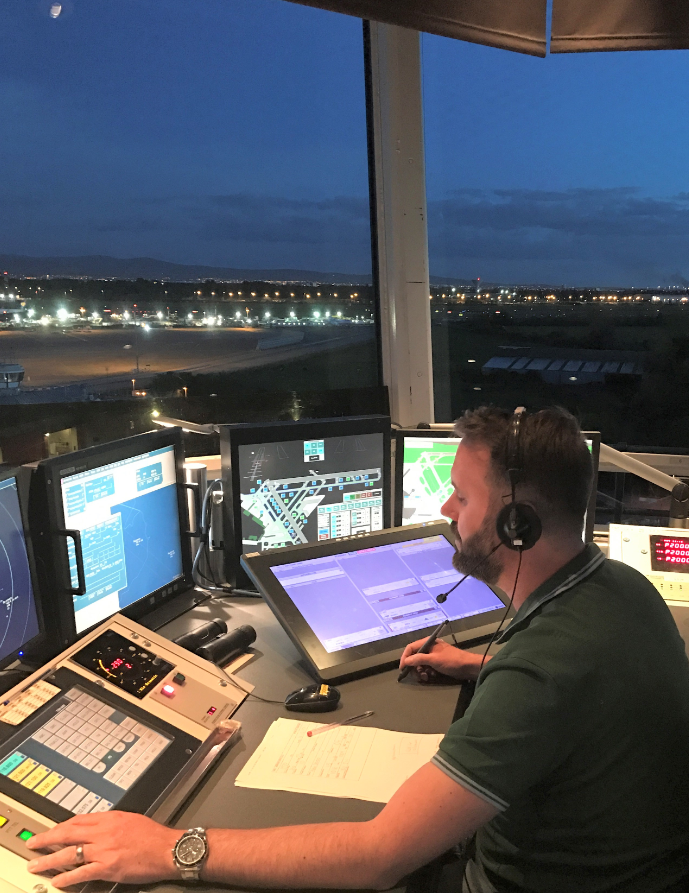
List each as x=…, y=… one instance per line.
x=317, y=698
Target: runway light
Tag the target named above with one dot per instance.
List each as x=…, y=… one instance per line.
x=30, y=313
x=62, y=314
x=159, y=314
x=155, y=413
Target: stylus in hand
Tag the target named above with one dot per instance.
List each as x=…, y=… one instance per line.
x=424, y=649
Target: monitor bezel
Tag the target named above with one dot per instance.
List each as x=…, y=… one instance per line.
x=50, y=474
x=22, y=477
x=400, y=434
x=234, y=436
x=372, y=656
x=594, y=437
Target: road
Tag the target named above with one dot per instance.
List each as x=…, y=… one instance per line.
x=105, y=358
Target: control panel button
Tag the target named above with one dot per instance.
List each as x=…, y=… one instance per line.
x=179, y=678
x=25, y=835
x=168, y=691
x=3, y=821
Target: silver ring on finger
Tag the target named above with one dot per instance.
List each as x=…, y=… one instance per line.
x=80, y=859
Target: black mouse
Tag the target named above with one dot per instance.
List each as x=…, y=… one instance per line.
x=318, y=698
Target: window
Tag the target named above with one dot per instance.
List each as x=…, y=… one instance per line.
x=185, y=211
x=557, y=207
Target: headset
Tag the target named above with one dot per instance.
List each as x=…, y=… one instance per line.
x=518, y=525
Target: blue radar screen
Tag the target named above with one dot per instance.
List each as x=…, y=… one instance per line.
x=18, y=619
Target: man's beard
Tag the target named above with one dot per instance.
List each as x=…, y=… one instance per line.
x=473, y=553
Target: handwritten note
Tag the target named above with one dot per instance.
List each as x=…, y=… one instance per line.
x=350, y=761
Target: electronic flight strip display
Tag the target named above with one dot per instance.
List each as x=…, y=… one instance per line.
x=127, y=516
x=310, y=490
x=123, y=719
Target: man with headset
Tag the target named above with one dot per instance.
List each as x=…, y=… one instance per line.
x=571, y=764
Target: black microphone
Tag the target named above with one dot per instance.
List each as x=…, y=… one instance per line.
x=226, y=648
x=443, y=595
x=201, y=634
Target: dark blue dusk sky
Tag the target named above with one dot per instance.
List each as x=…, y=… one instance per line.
x=232, y=132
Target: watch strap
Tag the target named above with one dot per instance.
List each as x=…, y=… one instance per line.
x=191, y=872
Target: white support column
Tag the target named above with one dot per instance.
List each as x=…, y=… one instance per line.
x=401, y=222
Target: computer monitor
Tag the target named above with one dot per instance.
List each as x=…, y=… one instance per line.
x=351, y=606
x=20, y=610
x=287, y=483
x=116, y=538
x=423, y=465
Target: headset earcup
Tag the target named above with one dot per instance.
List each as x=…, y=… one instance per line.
x=518, y=526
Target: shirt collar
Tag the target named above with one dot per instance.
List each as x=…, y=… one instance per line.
x=576, y=570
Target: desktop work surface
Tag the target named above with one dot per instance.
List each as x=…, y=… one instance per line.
x=275, y=671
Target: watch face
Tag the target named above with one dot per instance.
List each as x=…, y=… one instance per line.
x=191, y=850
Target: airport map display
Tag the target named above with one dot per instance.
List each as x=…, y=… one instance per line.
x=426, y=483
x=304, y=491
x=127, y=515
x=18, y=619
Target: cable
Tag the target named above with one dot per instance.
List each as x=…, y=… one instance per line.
x=504, y=616
x=203, y=532
x=249, y=694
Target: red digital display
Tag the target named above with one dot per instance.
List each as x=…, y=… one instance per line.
x=670, y=553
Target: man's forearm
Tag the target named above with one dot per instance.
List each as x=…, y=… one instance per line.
x=339, y=855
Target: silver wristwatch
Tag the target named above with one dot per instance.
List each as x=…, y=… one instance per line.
x=190, y=853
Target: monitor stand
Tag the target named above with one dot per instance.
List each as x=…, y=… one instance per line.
x=177, y=606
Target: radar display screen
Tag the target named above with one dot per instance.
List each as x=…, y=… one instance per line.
x=18, y=617
x=670, y=553
x=303, y=491
x=426, y=483
x=123, y=663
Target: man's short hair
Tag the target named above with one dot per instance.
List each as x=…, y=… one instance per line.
x=556, y=461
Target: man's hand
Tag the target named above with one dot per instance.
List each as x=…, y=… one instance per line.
x=118, y=846
x=442, y=658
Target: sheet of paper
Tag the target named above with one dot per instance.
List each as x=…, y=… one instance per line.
x=23, y=705
x=350, y=761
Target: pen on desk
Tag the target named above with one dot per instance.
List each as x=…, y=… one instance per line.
x=424, y=649
x=334, y=725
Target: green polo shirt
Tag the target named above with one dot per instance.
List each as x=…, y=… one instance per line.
x=579, y=735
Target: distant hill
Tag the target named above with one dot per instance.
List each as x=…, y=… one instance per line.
x=101, y=266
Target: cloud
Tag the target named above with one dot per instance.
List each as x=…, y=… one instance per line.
x=582, y=236
x=235, y=229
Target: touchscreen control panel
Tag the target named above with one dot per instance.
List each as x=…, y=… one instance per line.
x=122, y=720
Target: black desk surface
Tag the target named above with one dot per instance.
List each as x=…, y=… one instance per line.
x=275, y=671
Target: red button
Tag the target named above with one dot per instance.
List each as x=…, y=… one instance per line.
x=168, y=691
